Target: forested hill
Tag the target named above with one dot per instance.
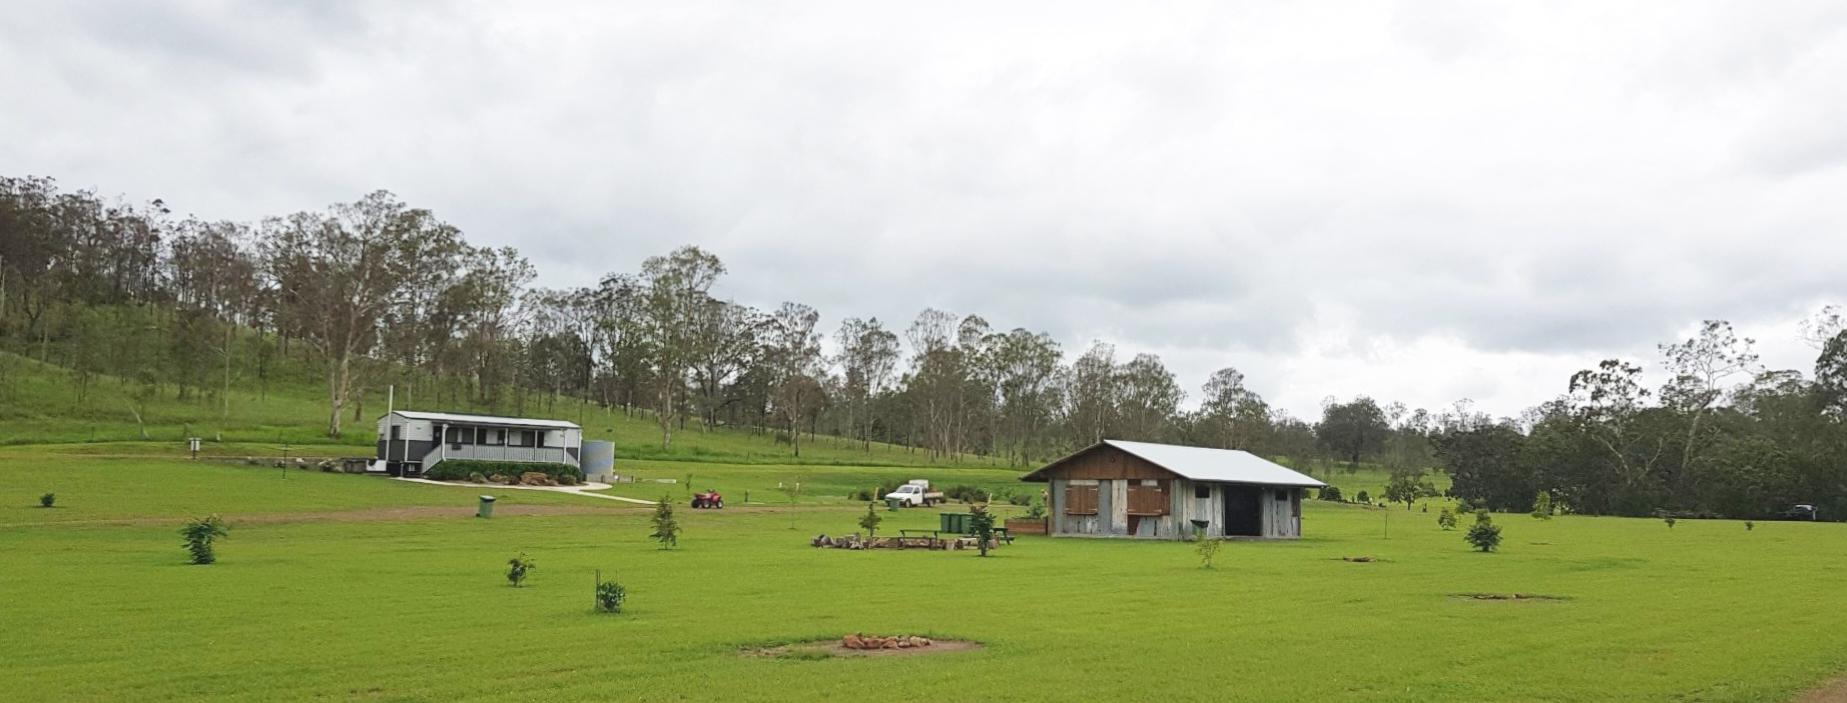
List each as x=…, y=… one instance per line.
x=124, y=318
x=45, y=404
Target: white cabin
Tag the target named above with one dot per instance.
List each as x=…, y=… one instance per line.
x=412, y=441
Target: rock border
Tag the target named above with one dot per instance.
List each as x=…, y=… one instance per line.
x=839, y=648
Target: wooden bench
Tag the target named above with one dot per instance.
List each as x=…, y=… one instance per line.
x=928, y=539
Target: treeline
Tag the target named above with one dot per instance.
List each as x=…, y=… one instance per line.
x=376, y=292
x=1723, y=436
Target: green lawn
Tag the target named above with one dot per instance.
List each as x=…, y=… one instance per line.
x=97, y=608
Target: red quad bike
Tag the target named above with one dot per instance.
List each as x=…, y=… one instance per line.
x=708, y=499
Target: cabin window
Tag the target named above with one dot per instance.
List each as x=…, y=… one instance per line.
x=493, y=436
x=1202, y=491
x=1081, y=498
x=521, y=438
x=1148, y=498
x=397, y=432
x=459, y=436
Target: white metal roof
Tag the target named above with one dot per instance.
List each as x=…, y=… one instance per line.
x=484, y=419
x=1204, y=464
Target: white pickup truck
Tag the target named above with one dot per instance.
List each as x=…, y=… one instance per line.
x=916, y=494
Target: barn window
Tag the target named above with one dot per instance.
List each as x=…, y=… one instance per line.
x=1148, y=498
x=1202, y=490
x=1081, y=498
x=1282, y=495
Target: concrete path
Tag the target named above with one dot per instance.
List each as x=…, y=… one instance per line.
x=582, y=490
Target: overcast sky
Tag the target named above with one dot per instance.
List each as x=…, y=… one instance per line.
x=1420, y=201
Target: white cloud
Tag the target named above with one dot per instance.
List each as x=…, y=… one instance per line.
x=1417, y=201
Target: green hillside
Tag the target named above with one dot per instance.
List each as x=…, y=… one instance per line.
x=44, y=404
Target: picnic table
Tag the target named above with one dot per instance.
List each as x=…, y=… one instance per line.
x=931, y=539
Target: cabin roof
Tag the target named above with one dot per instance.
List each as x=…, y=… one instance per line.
x=1198, y=464
x=465, y=418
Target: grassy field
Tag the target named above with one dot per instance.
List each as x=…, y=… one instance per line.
x=341, y=587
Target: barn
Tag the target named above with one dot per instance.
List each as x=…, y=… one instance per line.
x=1165, y=491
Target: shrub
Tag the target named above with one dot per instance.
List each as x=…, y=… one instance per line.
x=666, y=528
x=863, y=494
x=1485, y=535
x=1446, y=519
x=981, y=523
x=870, y=521
x=1330, y=493
x=966, y=494
x=47, y=500
x=567, y=480
x=1363, y=498
x=199, y=534
x=1748, y=526
x=609, y=595
x=518, y=567
x=1208, y=549
x=466, y=469
x=1020, y=499
x=476, y=477
x=1036, y=511
x=1542, y=506
x=1670, y=521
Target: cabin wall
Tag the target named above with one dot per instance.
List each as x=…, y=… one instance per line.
x=415, y=439
x=1282, y=513
x=1114, y=471
x=1112, y=518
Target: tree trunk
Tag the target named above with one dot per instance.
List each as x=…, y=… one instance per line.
x=226, y=395
x=338, y=376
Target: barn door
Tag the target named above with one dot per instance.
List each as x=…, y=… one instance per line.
x=1243, y=510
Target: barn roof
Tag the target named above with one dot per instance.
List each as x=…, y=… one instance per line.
x=1200, y=464
x=485, y=419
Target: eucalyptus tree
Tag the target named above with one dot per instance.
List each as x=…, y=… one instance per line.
x=1611, y=407
x=675, y=290
x=1025, y=369
x=868, y=357
x=1701, y=372
x=1353, y=429
x=622, y=344
x=1831, y=373
x=1147, y=397
x=1232, y=416
x=337, y=273
x=211, y=270
x=490, y=288
x=1091, y=392
x=935, y=379
x=793, y=349
x=725, y=346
